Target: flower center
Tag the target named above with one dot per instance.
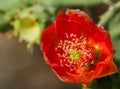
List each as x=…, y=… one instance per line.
x=74, y=55
x=76, y=52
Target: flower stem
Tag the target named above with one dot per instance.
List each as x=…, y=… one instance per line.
x=85, y=87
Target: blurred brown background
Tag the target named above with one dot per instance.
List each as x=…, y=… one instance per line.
x=21, y=70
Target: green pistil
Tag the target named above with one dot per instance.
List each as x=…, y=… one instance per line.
x=75, y=55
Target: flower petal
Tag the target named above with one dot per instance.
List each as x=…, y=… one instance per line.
x=49, y=40
x=74, y=22
x=64, y=26
x=102, y=39
x=82, y=19
x=106, y=68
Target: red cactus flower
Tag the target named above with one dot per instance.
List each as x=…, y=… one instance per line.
x=76, y=49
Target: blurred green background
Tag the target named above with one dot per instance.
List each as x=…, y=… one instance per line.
x=22, y=23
